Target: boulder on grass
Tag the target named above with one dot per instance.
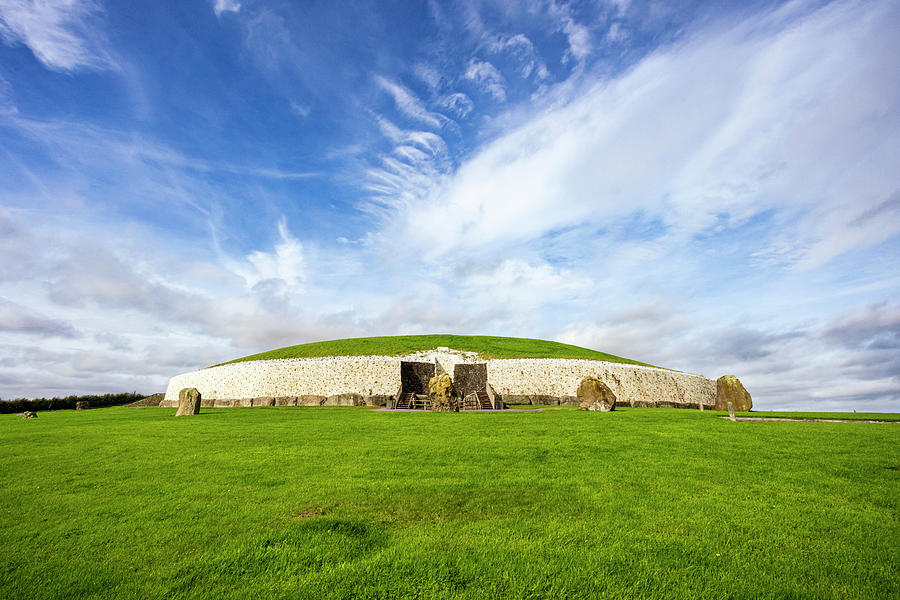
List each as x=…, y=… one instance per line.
x=29, y=414
x=730, y=389
x=81, y=405
x=593, y=394
x=188, y=402
x=443, y=396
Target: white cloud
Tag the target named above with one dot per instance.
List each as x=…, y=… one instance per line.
x=62, y=34
x=7, y=106
x=578, y=36
x=410, y=104
x=285, y=263
x=698, y=132
x=521, y=286
x=428, y=75
x=226, y=6
x=15, y=318
x=459, y=104
x=621, y=6
x=418, y=161
x=616, y=33
x=301, y=110
x=523, y=50
x=487, y=77
x=579, y=39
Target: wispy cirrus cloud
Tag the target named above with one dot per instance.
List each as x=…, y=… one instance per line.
x=7, y=105
x=487, y=77
x=523, y=50
x=410, y=104
x=65, y=35
x=223, y=6
x=459, y=104
x=578, y=36
x=696, y=136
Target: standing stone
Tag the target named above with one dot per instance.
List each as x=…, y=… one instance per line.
x=81, y=405
x=731, y=411
x=443, y=396
x=188, y=402
x=593, y=394
x=730, y=389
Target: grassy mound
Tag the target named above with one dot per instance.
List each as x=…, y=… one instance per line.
x=337, y=503
x=486, y=346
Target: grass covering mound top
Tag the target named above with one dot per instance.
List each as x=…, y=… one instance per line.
x=486, y=346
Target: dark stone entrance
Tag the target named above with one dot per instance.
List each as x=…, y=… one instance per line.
x=414, y=376
x=470, y=378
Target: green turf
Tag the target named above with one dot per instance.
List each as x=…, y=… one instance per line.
x=352, y=502
x=486, y=346
x=823, y=415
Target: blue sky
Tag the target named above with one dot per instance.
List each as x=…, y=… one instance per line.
x=709, y=187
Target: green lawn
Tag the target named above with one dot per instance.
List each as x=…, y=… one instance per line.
x=487, y=347
x=352, y=502
x=822, y=415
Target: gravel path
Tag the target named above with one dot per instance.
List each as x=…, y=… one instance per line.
x=775, y=419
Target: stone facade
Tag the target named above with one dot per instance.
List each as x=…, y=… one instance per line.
x=372, y=380
x=555, y=381
x=304, y=381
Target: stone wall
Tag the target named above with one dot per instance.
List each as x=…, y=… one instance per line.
x=554, y=381
x=371, y=380
x=469, y=378
x=334, y=380
x=414, y=376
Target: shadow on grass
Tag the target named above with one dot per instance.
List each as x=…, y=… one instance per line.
x=312, y=545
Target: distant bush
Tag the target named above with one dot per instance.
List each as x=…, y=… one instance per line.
x=22, y=404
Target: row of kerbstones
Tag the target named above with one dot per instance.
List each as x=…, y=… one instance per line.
x=592, y=394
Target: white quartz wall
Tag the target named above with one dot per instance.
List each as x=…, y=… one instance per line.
x=328, y=376
x=380, y=376
x=560, y=377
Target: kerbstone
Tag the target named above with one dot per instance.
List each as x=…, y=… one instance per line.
x=443, y=396
x=188, y=402
x=730, y=389
x=593, y=394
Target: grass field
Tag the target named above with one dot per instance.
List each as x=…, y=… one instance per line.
x=823, y=415
x=352, y=502
x=487, y=347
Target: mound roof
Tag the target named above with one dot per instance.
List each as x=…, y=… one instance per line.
x=486, y=347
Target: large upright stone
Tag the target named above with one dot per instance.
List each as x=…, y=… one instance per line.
x=730, y=389
x=81, y=405
x=188, y=402
x=443, y=396
x=593, y=394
